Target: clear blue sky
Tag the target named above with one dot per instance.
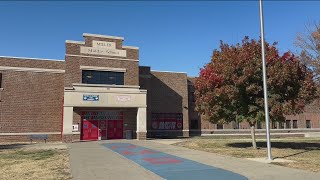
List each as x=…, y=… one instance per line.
x=172, y=36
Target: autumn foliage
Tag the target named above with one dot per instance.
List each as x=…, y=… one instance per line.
x=230, y=88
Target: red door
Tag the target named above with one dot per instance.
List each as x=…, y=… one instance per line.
x=115, y=129
x=89, y=130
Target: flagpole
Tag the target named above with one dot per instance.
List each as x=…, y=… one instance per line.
x=265, y=88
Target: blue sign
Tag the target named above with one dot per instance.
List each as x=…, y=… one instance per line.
x=87, y=97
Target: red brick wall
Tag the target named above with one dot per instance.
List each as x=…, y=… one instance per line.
x=31, y=101
x=73, y=63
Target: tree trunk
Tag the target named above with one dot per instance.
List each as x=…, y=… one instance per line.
x=253, y=136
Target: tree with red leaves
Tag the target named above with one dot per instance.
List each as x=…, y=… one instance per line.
x=230, y=87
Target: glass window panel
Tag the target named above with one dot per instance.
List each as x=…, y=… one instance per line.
x=102, y=77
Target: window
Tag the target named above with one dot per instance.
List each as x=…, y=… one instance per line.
x=295, y=124
x=192, y=97
x=0, y=80
x=308, y=124
x=274, y=125
x=219, y=126
x=194, y=124
x=258, y=125
x=281, y=125
x=102, y=77
x=288, y=124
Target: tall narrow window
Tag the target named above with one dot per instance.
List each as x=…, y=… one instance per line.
x=0, y=80
x=308, y=124
x=274, y=125
x=258, y=125
x=295, y=124
x=288, y=124
x=281, y=125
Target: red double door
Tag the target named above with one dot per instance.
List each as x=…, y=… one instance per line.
x=106, y=129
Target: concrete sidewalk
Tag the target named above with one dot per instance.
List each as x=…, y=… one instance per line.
x=90, y=160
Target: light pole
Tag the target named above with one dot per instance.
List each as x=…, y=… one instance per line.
x=265, y=88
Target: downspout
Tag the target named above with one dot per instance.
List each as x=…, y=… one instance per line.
x=62, y=118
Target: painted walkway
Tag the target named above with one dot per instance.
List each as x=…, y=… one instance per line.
x=168, y=166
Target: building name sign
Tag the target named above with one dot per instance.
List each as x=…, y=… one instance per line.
x=89, y=97
x=123, y=98
x=103, y=48
x=104, y=44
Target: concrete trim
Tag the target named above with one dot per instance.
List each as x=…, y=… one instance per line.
x=105, y=85
x=101, y=57
x=29, y=133
x=185, y=130
x=168, y=71
x=103, y=68
x=113, y=106
x=102, y=36
x=23, y=58
x=237, y=130
x=109, y=91
x=130, y=47
x=37, y=70
x=75, y=132
x=75, y=42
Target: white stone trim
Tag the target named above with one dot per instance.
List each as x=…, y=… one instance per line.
x=24, y=58
x=121, y=59
x=106, y=85
x=75, y=42
x=107, y=106
x=103, y=68
x=130, y=47
x=103, y=36
x=28, y=133
x=26, y=69
x=168, y=71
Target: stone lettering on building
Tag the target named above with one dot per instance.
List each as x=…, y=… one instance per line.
x=103, y=48
x=104, y=44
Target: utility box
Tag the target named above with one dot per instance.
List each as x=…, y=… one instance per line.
x=129, y=134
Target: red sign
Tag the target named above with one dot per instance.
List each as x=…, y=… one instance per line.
x=167, y=121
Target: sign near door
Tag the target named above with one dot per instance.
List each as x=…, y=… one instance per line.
x=90, y=97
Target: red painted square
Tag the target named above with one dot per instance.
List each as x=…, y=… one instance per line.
x=147, y=152
x=163, y=160
x=131, y=146
x=114, y=147
x=127, y=152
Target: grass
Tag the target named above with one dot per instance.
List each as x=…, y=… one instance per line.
x=34, y=164
x=305, y=152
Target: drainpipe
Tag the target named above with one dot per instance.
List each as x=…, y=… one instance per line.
x=62, y=118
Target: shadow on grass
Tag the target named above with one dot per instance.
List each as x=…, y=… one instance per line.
x=305, y=146
x=279, y=145
x=13, y=146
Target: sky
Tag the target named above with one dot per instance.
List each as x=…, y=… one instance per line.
x=172, y=36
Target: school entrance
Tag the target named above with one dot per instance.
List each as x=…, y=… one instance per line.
x=101, y=125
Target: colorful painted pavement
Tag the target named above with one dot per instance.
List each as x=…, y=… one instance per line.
x=168, y=166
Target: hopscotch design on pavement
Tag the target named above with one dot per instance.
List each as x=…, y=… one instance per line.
x=170, y=167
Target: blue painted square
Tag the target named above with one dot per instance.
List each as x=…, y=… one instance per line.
x=182, y=168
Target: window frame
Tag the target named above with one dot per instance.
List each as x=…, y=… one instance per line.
x=103, y=77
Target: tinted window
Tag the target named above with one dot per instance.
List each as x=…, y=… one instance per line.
x=288, y=124
x=219, y=126
x=295, y=124
x=308, y=124
x=0, y=80
x=102, y=77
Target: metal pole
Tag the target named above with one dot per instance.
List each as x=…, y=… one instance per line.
x=265, y=88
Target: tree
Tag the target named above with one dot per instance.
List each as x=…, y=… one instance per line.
x=309, y=44
x=230, y=87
